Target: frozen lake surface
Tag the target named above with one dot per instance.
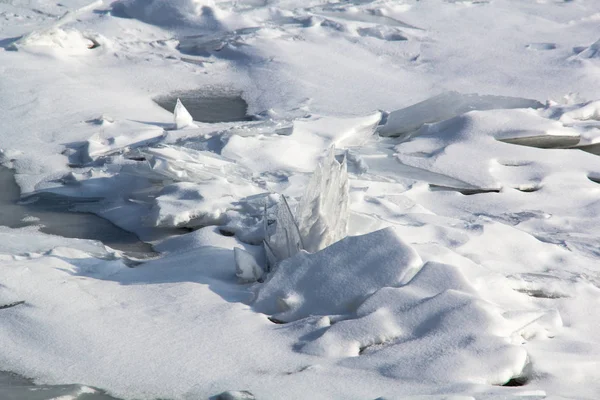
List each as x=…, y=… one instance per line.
x=352, y=200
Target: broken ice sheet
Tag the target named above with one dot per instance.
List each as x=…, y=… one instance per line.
x=322, y=214
x=444, y=106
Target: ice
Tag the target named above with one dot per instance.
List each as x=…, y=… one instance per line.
x=322, y=214
x=286, y=240
x=339, y=278
x=182, y=117
x=445, y=106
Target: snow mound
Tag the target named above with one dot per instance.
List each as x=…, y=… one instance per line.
x=169, y=12
x=435, y=328
x=339, y=278
x=445, y=106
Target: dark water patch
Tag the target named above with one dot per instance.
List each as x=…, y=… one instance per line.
x=208, y=107
x=590, y=148
x=53, y=213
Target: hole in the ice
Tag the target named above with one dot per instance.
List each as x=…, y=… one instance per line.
x=517, y=381
x=225, y=232
x=208, y=106
x=464, y=191
x=52, y=213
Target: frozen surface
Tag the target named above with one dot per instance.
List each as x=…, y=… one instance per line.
x=452, y=233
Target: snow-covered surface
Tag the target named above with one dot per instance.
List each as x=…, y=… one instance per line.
x=444, y=137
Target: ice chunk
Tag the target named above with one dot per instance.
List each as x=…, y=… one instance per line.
x=286, y=240
x=181, y=116
x=339, y=278
x=246, y=268
x=445, y=106
x=323, y=211
x=197, y=204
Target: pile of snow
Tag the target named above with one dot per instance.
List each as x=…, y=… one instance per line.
x=337, y=279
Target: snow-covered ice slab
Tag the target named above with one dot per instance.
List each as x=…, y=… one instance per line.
x=435, y=328
x=445, y=106
x=474, y=148
x=338, y=279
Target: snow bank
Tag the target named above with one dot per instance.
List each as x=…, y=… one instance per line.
x=338, y=279
x=434, y=328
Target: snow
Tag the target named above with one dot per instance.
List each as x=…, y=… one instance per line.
x=403, y=204
x=336, y=280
